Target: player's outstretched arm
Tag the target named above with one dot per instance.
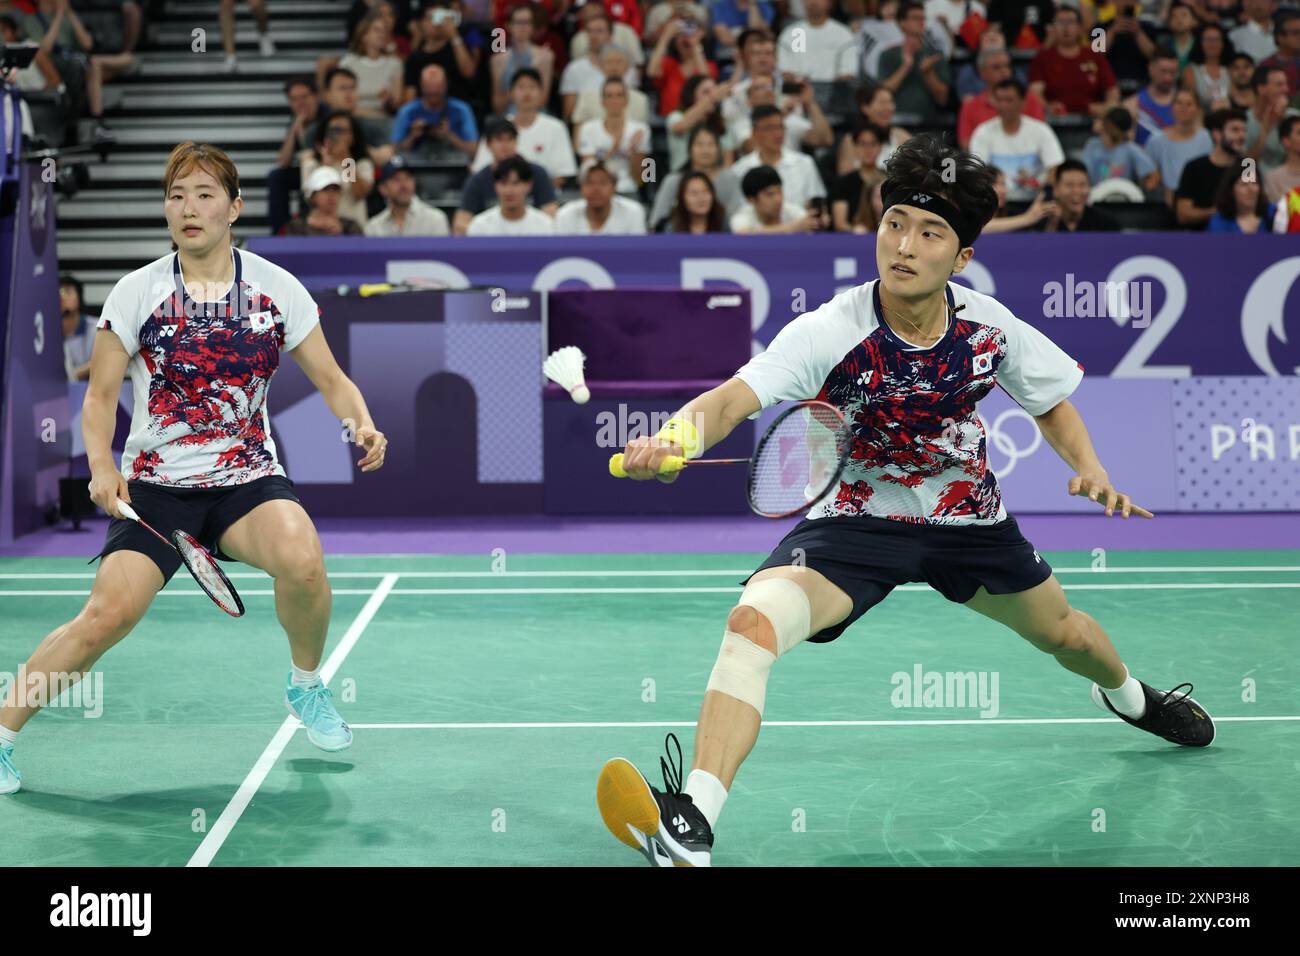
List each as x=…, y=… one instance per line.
x=108, y=362
x=1065, y=431
x=714, y=415
x=342, y=396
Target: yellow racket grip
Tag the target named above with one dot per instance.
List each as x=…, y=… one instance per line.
x=666, y=467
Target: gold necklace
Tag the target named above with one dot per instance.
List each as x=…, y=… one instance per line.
x=916, y=328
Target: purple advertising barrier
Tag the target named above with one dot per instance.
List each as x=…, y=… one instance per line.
x=34, y=443
x=1238, y=444
x=453, y=379
x=1131, y=423
x=1141, y=305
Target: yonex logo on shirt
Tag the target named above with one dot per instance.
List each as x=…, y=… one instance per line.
x=168, y=330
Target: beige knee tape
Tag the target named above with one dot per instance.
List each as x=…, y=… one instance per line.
x=786, y=607
x=743, y=667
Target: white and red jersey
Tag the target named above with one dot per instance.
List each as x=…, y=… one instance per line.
x=200, y=370
x=919, y=447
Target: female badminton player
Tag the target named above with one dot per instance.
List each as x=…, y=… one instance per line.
x=905, y=358
x=200, y=332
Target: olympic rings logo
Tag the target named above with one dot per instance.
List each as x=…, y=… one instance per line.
x=1006, y=444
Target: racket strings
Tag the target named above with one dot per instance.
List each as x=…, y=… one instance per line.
x=798, y=459
x=205, y=571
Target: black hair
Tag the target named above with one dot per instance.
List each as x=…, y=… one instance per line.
x=515, y=164
x=1198, y=47
x=1072, y=166
x=338, y=71
x=758, y=179
x=1284, y=128
x=748, y=34
x=760, y=113
x=359, y=151
x=527, y=71
x=69, y=279
x=1283, y=18
x=681, y=219
x=302, y=79
x=1260, y=77
x=1225, y=202
x=1218, y=119
x=907, y=6
x=690, y=145
x=1011, y=83
x=1240, y=55
x=875, y=129
x=713, y=119
x=11, y=23
x=499, y=126
x=1118, y=117
x=927, y=164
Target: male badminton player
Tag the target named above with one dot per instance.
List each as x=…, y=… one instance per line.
x=200, y=332
x=905, y=358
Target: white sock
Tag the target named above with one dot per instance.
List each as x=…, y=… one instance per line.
x=302, y=678
x=706, y=792
x=1128, y=698
x=7, y=737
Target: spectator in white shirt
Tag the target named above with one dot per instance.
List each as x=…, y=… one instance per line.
x=819, y=48
x=407, y=214
x=949, y=15
x=1255, y=35
x=621, y=143
x=584, y=71
x=543, y=139
x=599, y=211
x=512, y=216
x=613, y=61
x=800, y=179
x=805, y=123
x=620, y=34
x=757, y=58
x=767, y=210
x=1024, y=148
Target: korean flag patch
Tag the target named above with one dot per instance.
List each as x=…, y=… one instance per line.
x=983, y=363
x=261, y=321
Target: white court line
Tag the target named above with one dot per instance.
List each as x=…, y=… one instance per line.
x=496, y=592
x=239, y=802
x=611, y=724
x=688, y=572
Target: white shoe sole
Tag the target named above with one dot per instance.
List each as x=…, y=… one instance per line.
x=631, y=813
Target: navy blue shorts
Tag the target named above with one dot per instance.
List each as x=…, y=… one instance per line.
x=866, y=557
x=206, y=513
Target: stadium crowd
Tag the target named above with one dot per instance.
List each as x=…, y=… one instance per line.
x=614, y=117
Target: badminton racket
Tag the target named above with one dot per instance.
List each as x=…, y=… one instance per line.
x=797, y=461
x=198, y=561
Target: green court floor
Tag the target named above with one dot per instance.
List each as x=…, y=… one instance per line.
x=484, y=704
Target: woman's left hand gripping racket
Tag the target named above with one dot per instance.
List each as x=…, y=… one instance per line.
x=198, y=561
x=797, y=461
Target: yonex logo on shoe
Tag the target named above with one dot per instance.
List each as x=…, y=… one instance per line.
x=680, y=823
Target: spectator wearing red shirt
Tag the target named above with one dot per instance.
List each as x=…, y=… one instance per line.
x=1069, y=76
x=670, y=71
x=626, y=11
x=1287, y=36
x=994, y=66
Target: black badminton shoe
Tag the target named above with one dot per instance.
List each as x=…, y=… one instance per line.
x=666, y=827
x=1173, y=716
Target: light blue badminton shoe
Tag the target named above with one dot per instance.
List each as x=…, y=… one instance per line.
x=314, y=706
x=10, y=779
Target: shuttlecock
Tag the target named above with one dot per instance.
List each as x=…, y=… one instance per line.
x=564, y=368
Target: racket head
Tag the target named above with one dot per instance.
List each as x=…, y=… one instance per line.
x=799, y=459
x=205, y=570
